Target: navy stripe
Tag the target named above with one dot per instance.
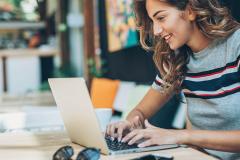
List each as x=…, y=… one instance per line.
x=191, y=95
x=214, y=70
x=214, y=84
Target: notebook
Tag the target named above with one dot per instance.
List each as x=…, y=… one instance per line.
x=72, y=98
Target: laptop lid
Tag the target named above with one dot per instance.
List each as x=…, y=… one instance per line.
x=72, y=98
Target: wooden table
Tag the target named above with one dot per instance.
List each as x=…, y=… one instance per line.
x=41, y=146
x=15, y=102
x=7, y=53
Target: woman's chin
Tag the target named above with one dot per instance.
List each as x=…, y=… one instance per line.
x=174, y=46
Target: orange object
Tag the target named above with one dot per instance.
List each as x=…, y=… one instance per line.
x=34, y=41
x=103, y=92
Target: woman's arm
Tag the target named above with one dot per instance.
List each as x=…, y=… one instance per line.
x=228, y=141
x=217, y=140
x=149, y=105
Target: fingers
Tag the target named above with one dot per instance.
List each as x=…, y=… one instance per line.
x=123, y=129
x=146, y=143
x=130, y=135
x=116, y=129
x=136, y=138
x=148, y=125
x=111, y=130
x=119, y=133
x=137, y=135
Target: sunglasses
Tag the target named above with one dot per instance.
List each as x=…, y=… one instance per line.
x=66, y=152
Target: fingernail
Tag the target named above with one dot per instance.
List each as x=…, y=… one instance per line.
x=119, y=139
x=140, y=145
x=130, y=143
x=112, y=138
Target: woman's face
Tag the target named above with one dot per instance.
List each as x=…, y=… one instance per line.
x=170, y=23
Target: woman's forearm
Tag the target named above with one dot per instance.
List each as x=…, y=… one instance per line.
x=217, y=140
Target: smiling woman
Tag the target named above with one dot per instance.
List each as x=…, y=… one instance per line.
x=197, y=51
x=177, y=25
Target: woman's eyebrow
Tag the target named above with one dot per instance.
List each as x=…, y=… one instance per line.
x=156, y=13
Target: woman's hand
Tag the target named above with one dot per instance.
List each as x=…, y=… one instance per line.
x=119, y=129
x=152, y=136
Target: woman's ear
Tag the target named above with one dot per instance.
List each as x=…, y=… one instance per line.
x=190, y=14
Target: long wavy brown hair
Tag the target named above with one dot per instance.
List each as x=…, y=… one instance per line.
x=213, y=20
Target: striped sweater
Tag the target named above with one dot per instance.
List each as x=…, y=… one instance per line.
x=212, y=88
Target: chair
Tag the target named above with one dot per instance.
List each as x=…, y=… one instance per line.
x=121, y=100
x=103, y=92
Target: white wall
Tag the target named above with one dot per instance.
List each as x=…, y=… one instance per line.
x=1, y=77
x=23, y=74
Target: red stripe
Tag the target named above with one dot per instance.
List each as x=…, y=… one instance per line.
x=221, y=93
x=158, y=82
x=210, y=74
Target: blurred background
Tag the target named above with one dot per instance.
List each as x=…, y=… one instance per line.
x=94, y=39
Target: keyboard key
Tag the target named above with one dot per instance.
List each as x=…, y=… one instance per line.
x=115, y=145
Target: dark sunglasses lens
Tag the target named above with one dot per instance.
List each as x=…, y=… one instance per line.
x=64, y=153
x=89, y=154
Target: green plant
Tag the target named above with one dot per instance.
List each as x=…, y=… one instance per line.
x=65, y=71
x=94, y=70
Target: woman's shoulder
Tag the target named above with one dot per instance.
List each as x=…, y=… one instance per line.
x=233, y=42
x=235, y=36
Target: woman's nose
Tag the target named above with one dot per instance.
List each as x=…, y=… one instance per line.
x=157, y=30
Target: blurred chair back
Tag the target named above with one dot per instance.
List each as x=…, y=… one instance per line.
x=103, y=92
x=121, y=101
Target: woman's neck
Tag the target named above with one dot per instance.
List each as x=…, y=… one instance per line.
x=198, y=41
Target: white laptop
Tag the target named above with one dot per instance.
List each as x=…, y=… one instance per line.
x=72, y=98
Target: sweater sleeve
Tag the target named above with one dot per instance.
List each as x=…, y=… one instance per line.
x=157, y=84
x=235, y=47
x=234, y=44
x=234, y=50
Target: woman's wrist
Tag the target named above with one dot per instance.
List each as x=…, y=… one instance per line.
x=183, y=136
x=133, y=115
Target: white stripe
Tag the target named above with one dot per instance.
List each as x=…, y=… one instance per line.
x=213, y=92
x=159, y=79
x=227, y=71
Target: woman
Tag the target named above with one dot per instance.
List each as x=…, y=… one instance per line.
x=197, y=51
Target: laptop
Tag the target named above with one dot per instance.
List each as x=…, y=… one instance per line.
x=72, y=98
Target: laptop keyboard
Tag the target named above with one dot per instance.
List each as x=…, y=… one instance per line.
x=115, y=145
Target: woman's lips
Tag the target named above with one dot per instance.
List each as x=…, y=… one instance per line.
x=167, y=37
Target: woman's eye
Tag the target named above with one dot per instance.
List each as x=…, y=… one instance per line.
x=160, y=18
